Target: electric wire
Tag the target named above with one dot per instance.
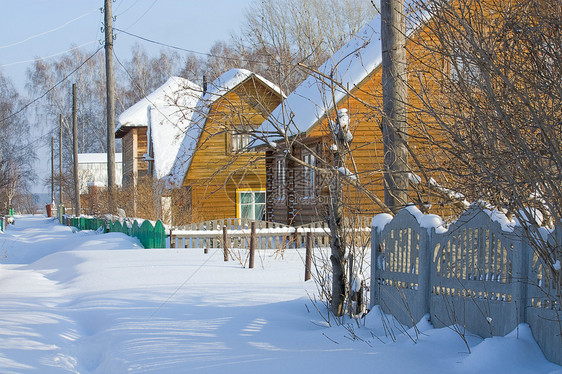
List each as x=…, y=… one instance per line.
x=47, y=32
x=50, y=56
x=51, y=88
x=190, y=50
x=144, y=14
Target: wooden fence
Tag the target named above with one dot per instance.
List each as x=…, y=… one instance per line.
x=268, y=235
x=150, y=236
x=475, y=274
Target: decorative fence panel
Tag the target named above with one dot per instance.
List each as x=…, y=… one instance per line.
x=399, y=253
x=543, y=315
x=474, y=269
x=476, y=274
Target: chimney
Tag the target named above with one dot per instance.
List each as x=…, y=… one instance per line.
x=204, y=84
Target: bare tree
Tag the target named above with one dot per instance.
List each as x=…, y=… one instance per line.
x=17, y=151
x=142, y=74
x=499, y=107
x=283, y=33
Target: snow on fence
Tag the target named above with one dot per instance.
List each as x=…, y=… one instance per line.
x=479, y=273
x=150, y=236
x=269, y=235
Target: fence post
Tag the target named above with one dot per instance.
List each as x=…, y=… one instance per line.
x=425, y=254
x=252, y=244
x=225, y=243
x=375, y=247
x=308, y=261
x=520, y=278
x=172, y=240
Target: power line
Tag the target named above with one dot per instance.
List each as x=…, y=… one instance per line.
x=126, y=10
x=144, y=14
x=189, y=50
x=51, y=88
x=47, y=32
x=47, y=57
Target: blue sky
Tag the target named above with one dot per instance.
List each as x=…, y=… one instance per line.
x=40, y=28
x=32, y=29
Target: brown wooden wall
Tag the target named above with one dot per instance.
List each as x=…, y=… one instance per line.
x=134, y=147
x=215, y=173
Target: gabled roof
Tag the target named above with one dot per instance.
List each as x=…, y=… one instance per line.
x=312, y=99
x=215, y=90
x=167, y=112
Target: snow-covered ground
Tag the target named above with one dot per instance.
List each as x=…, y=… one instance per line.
x=90, y=303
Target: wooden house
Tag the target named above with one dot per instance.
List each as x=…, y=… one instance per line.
x=300, y=153
x=223, y=177
x=153, y=128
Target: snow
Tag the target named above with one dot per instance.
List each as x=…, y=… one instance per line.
x=215, y=90
x=427, y=221
x=312, y=99
x=346, y=172
x=166, y=112
x=500, y=217
x=381, y=220
x=97, y=158
x=97, y=303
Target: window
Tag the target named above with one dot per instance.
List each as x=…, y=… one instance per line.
x=251, y=204
x=281, y=187
x=464, y=68
x=309, y=175
x=240, y=139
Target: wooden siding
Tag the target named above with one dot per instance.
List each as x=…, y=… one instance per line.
x=134, y=147
x=142, y=148
x=215, y=173
x=128, y=146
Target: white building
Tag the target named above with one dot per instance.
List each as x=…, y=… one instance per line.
x=92, y=169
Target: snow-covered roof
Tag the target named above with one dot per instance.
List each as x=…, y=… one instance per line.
x=167, y=112
x=215, y=90
x=312, y=99
x=96, y=158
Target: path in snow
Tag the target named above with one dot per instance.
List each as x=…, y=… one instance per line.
x=90, y=303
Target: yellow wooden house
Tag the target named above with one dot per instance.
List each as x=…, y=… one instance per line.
x=224, y=178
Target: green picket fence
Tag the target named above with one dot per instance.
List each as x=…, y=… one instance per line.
x=149, y=236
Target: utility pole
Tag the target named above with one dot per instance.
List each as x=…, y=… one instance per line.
x=52, y=170
x=75, y=148
x=60, y=159
x=394, y=92
x=110, y=89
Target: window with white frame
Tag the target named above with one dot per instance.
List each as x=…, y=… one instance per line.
x=240, y=138
x=251, y=204
x=309, y=175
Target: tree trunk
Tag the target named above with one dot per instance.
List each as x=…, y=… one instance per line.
x=336, y=222
x=394, y=123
